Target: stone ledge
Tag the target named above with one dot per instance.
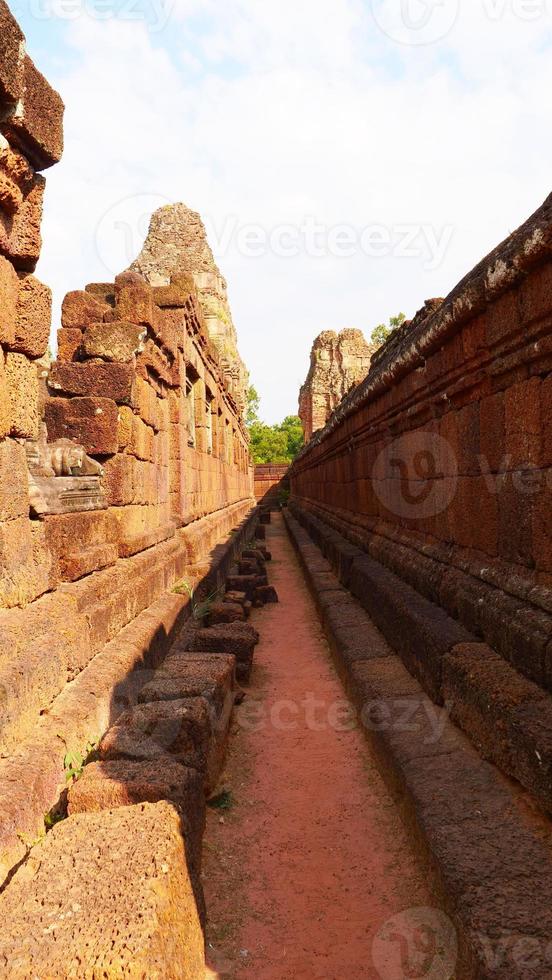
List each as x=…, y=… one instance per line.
x=32, y=779
x=489, y=851
x=510, y=611
x=105, y=894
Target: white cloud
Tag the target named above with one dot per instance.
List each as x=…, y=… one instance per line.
x=267, y=112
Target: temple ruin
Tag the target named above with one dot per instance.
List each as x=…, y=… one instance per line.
x=338, y=362
x=169, y=620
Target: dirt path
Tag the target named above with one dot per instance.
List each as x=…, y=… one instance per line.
x=311, y=860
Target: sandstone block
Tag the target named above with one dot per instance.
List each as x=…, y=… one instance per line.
x=9, y=291
x=108, y=785
x=10, y=63
x=36, y=126
x=249, y=566
x=225, y=612
x=181, y=729
x=14, y=492
x=69, y=340
x=22, y=381
x=176, y=294
x=265, y=594
x=20, y=239
x=116, y=341
x=81, y=308
x=33, y=317
x=118, y=480
x=114, y=381
x=238, y=639
x=207, y=675
x=134, y=302
x=92, y=422
x=246, y=583
x=106, y=894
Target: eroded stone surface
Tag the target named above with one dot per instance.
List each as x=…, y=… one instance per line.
x=106, y=894
x=177, y=245
x=338, y=363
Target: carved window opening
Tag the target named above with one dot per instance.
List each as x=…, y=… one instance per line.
x=209, y=401
x=191, y=382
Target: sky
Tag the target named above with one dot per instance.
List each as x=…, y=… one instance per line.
x=350, y=158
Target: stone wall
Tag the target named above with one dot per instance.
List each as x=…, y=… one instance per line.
x=338, y=362
x=30, y=141
x=439, y=465
x=124, y=469
x=269, y=479
x=177, y=244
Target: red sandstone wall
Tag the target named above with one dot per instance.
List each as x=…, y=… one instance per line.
x=119, y=387
x=176, y=476
x=268, y=478
x=440, y=464
x=30, y=141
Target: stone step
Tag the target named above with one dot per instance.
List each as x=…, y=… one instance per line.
x=105, y=895
x=489, y=849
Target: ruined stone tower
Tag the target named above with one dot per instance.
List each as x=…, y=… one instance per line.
x=338, y=363
x=177, y=244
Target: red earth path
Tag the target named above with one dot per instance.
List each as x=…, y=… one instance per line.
x=311, y=859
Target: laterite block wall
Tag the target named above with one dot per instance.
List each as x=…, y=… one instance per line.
x=439, y=465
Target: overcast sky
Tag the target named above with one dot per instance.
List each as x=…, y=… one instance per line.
x=349, y=158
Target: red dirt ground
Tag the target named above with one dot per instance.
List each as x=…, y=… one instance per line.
x=311, y=860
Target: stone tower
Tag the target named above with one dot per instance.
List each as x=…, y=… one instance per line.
x=177, y=244
x=338, y=362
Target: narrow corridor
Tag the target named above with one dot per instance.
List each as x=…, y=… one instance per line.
x=310, y=861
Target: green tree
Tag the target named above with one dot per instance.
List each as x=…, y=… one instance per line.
x=382, y=332
x=278, y=443
x=253, y=404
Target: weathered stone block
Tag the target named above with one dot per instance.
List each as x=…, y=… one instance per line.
x=9, y=291
x=92, y=422
x=225, y=612
x=10, y=62
x=238, y=639
x=114, y=381
x=207, y=675
x=69, y=340
x=107, y=785
x=80, y=308
x=176, y=294
x=20, y=239
x=14, y=495
x=22, y=381
x=33, y=317
x=36, y=125
x=105, y=894
x=181, y=729
x=116, y=341
x=134, y=302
